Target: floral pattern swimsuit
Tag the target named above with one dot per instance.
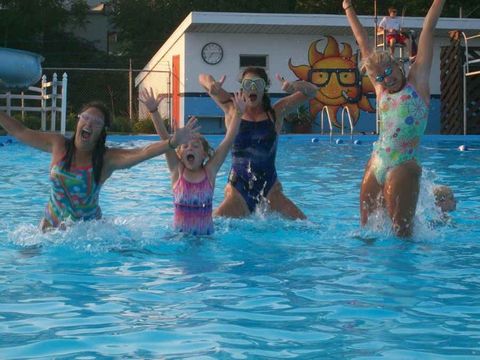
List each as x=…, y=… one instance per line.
x=403, y=119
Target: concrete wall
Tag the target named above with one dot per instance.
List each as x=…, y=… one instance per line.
x=296, y=47
x=279, y=48
x=161, y=82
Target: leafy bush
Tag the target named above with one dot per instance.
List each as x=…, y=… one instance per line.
x=33, y=122
x=121, y=124
x=144, y=127
x=301, y=116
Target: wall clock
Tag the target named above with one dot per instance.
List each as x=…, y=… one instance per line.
x=212, y=53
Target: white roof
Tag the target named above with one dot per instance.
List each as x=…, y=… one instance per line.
x=303, y=23
x=299, y=24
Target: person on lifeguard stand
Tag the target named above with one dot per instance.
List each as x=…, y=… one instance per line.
x=390, y=25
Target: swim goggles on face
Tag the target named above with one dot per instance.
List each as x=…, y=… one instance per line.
x=253, y=84
x=95, y=121
x=381, y=77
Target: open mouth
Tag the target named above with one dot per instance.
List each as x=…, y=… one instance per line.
x=86, y=134
x=253, y=97
x=190, y=158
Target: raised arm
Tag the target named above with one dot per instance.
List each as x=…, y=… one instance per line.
x=235, y=116
x=37, y=139
x=359, y=31
x=214, y=88
x=116, y=159
x=152, y=102
x=300, y=91
x=420, y=71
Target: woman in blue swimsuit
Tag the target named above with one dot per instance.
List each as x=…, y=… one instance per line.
x=253, y=178
x=392, y=175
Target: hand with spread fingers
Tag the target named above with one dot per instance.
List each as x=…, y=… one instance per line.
x=216, y=86
x=187, y=133
x=151, y=101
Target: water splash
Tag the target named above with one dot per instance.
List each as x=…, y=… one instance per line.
x=429, y=219
x=118, y=233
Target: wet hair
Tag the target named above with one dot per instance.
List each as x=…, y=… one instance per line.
x=266, y=102
x=379, y=58
x=98, y=151
x=209, y=150
x=444, y=193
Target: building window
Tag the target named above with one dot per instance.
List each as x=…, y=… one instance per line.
x=253, y=60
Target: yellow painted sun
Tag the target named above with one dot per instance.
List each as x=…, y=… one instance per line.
x=338, y=78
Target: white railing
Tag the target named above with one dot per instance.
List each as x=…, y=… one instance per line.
x=48, y=101
x=467, y=73
x=325, y=111
x=347, y=111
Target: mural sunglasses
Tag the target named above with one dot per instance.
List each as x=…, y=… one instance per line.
x=254, y=83
x=95, y=121
x=381, y=77
x=345, y=77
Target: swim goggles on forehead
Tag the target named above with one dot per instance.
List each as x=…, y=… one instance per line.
x=387, y=72
x=93, y=120
x=255, y=83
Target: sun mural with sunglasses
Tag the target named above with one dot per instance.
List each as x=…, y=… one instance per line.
x=340, y=82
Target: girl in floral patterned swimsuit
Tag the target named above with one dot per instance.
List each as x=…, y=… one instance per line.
x=392, y=175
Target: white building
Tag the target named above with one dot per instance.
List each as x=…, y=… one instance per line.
x=224, y=43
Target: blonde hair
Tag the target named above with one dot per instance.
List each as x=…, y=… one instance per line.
x=379, y=58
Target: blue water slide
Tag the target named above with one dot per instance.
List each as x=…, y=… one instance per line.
x=19, y=69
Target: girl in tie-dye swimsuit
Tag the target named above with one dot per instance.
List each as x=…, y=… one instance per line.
x=82, y=163
x=73, y=196
x=193, y=168
x=193, y=205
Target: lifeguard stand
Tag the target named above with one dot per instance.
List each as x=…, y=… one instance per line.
x=404, y=51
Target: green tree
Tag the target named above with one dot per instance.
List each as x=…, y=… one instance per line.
x=144, y=25
x=41, y=26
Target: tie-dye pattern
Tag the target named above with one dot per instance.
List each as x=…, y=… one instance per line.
x=73, y=195
x=193, y=206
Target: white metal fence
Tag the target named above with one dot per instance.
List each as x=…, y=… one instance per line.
x=47, y=95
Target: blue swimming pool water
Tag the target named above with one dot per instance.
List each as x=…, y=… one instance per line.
x=260, y=288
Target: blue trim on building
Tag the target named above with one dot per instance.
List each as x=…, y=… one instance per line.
x=211, y=116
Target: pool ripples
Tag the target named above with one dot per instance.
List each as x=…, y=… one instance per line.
x=128, y=286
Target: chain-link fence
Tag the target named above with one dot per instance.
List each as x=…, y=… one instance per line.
x=114, y=87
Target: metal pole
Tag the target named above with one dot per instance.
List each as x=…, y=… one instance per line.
x=130, y=91
x=464, y=99
x=375, y=20
x=169, y=97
